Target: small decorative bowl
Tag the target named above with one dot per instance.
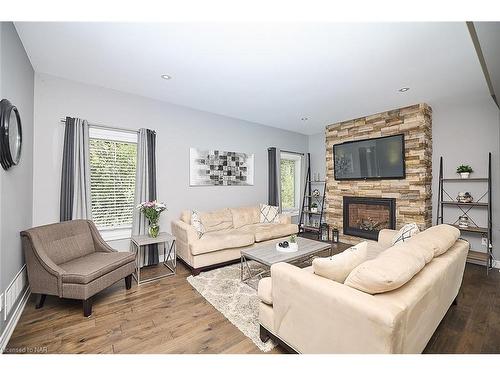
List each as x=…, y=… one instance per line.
x=292, y=247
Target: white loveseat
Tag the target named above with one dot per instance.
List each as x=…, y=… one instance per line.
x=227, y=231
x=308, y=313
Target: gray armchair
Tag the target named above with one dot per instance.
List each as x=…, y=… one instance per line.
x=71, y=260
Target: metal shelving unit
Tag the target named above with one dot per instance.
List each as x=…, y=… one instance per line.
x=308, y=199
x=485, y=258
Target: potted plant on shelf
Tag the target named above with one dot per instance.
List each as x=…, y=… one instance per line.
x=152, y=211
x=314, y=207
x=464, y=171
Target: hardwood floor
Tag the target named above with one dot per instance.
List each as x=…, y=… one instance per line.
x=473, y=325
x=169, y=316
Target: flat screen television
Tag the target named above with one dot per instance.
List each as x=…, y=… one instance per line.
x=375, y=158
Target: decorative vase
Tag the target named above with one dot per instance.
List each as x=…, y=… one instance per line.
x=463, y=221
x=154, y=230
x=464, y=174
x=314, y=209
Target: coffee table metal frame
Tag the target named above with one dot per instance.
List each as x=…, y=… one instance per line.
x=291, y=257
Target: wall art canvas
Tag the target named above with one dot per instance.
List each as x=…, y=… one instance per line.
x=220, y=168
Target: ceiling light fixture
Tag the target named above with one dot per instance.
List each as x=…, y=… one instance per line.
x=403, y=89
x=166, y=76
x=304, y=118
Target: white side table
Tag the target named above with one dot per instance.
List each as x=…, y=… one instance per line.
x=169, y=255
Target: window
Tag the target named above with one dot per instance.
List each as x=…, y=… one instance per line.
x=290, y=170
x=112, y=177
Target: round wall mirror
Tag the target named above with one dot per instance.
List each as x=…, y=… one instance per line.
x=11, y=136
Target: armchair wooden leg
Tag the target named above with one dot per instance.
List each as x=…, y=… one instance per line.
x=41, y=301
x=264, y=334
x=128, y=282
x=87, y=307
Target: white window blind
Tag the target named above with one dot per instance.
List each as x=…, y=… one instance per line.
x=113, y=157
x=290, y=172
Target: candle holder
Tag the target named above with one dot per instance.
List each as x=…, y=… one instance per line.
x=335, y=235
x=324, y=232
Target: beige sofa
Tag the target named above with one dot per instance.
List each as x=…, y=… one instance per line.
x=307, y=313
x=227, y=231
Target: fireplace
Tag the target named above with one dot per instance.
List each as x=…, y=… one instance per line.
x=365, y=217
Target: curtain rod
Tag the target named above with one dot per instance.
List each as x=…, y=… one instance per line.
x=100, y=126
x=288, y=152
x=292, y=152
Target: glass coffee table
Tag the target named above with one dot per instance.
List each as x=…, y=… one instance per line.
x=266, y=255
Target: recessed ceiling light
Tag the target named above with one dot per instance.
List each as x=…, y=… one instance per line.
x=304, y=118
x=166, y=76
x=403, y=89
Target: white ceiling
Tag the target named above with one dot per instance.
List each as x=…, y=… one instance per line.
x=271, y=74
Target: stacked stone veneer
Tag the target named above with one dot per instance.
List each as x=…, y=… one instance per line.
x=413, y=194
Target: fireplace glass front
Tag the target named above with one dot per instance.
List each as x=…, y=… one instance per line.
x=365, y=217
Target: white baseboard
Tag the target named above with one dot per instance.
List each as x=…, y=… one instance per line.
x=14, y=318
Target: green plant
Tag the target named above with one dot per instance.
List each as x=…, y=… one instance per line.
x=293, y=238
x=314, y=205
x=464, y=169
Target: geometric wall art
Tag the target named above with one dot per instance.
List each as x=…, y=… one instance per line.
x=220, y=168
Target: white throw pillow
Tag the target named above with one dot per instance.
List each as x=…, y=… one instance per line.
x=405, y=233
x=339, y=266
x=196, y=223
x=269, y=214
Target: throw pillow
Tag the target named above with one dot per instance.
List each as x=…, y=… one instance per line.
x=339, y=266
x=405, y=233
x=390, y=270
x=196, y=223
x=269, y=214
x=438, y=238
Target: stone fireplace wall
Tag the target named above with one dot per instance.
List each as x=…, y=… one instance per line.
x=413, y=194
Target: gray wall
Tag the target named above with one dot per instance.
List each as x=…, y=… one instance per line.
x=316, y=145
x=464, y=130
x=16, y=184
x=178, y=129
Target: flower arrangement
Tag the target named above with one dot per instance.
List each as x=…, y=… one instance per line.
x=152, y=211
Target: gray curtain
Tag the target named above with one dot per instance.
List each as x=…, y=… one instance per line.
x=75, y=202
x=274, y=179
x=145, y=189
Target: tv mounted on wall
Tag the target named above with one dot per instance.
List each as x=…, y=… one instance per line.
x=374, y=158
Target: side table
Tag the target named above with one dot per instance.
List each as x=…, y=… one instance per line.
x=169, y=255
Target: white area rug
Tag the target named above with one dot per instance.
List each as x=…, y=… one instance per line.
x=237, y=301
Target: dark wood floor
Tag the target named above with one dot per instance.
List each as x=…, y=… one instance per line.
x=473, y=325
x=169, y=316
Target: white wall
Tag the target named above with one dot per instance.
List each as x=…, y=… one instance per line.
x=177, y=128
x=464, y=130
x=16, y=85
